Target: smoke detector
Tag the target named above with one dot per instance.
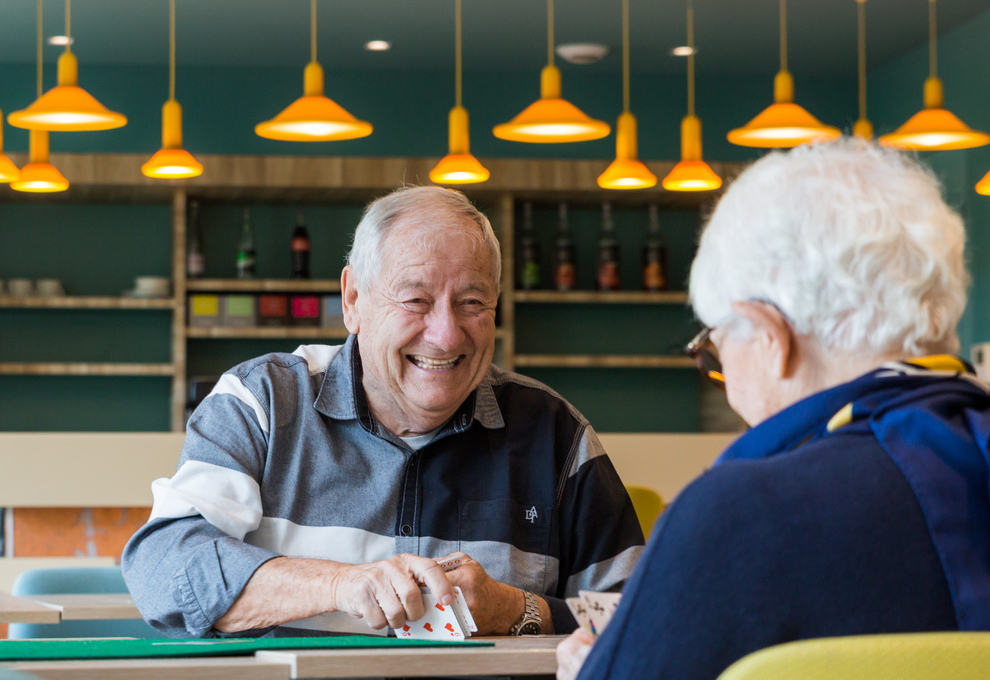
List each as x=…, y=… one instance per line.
x=582, y=53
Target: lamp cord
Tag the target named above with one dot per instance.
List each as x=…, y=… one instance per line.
x=932, y=32
x=312, y=30
x=861, y=22
x=690, y=64
x=68, y=25
x=550, y=32
x=171, y=49
x=625, y=56
x=783, y=35
x=41, y=38
x=457, y=52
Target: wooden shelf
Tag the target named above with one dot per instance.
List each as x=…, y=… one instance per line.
x=85, y=302
x=264, y=285
x=273, y=332
x=602, y=361
x=625, y=297
x=18, y=368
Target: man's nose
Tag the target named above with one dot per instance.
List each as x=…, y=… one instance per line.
x=443, y=327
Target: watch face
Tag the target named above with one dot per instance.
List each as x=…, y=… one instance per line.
x=531, y=628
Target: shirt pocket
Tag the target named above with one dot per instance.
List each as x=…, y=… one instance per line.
x=511, y=540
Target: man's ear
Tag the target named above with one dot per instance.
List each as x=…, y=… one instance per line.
x=349, y=297
x=772, y=328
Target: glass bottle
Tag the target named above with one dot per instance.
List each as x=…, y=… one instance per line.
x=564, y=273
x=608, y=253
x=195, y=261
x=654, y=255
x=245, y=250
x=529, y=266
x=300, y=248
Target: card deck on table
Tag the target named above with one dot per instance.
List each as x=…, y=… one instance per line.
x=600, y=608
x=440, y=622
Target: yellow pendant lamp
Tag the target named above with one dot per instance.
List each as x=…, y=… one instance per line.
x=862, y=128
x=551, y=118
x=934, y=128
x=172, y=161
x=983, y=186
x=783, y=124
x=692, y=173
x=458, y=166
x=39, y=176
x=313, y=117
x=67, y=107
x=8, y=171
x=626, y=171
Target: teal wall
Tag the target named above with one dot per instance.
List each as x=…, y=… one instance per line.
x=99, y=249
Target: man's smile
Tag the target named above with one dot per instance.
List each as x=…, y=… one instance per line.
x=428, y=364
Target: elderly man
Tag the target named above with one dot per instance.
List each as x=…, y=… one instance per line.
x=328, y=482
x=831, y=279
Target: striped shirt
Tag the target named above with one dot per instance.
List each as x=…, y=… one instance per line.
x=284, y=458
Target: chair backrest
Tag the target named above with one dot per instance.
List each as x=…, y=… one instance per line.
x=648, y=505
x=902, y=656
x=80, y=580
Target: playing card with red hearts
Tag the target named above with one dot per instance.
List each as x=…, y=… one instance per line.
x=439, y=623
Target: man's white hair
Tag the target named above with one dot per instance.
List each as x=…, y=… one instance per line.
x=434, y=211
x=853, y=243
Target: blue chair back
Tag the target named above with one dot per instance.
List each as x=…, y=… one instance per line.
x=76, y=580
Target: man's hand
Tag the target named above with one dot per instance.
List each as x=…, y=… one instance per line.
x=387, y=592
x=495, y=606
x=572, y=652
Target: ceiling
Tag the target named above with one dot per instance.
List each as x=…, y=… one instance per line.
x=733, y=36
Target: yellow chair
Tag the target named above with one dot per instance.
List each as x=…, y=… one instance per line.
x=902, y=656
x=648, y=505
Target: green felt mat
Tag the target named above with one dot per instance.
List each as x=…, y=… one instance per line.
x=32, y=650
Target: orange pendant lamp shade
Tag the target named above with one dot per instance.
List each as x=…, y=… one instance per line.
x=692, y=173
x=783, y=124
x=983, y=186
x=40, y=176
x=313, y=117
x=8, y=171
x=626, y=171
x=458, y=166
x=67, y=107
x=934, y=128
x=172, y=161
x=551, y=118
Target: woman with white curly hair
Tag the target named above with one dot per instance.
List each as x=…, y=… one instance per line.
x=830, y=280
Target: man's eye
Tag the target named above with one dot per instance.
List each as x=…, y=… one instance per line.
x=416, y=304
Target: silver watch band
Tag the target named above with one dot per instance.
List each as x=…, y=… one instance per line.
x=531, y=615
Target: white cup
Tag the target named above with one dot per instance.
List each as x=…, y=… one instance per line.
x=50, y=287
x=21, y=287
x=153, y=286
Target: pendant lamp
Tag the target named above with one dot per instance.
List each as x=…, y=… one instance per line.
x=8, y=171
x=862, y=128
x=983, y=186
x=172, y=161
x=626, y=171
x=783, y=124
x=551, y=118
x=313, y=117
x=692, y=173
x=67, y=107
x=458, y=166
x=39, y=176
x=934, y=128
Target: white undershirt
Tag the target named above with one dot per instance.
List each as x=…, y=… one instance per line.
x=420, y=440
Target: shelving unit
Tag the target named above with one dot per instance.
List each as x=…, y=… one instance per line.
x=116, y=179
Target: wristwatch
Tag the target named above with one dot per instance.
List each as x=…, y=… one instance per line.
x=530, y=623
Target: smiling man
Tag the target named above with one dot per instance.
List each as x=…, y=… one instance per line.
x=318, y=490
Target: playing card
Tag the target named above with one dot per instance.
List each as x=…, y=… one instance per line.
x=439, y=623
x=601, y=607
x=579, y=608
x=460, y=606
x=449, y=564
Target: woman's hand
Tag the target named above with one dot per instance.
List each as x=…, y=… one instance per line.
x=572, y=652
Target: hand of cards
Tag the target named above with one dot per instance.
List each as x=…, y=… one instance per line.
x=451, y=622
x=593, y=610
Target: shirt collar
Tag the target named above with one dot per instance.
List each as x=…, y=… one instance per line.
x=342, y=397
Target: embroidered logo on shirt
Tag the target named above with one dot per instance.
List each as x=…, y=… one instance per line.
x=531, y=515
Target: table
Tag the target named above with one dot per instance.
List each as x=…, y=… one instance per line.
x=90, y=606
x=202, y=668
x=19, y=610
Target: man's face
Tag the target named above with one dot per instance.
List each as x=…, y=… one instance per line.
x=426, y=325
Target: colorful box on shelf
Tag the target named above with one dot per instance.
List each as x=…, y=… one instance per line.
x=333, y=312
x=273, y=310
x=305, y=310
x=239, y=311
x=204, y=310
